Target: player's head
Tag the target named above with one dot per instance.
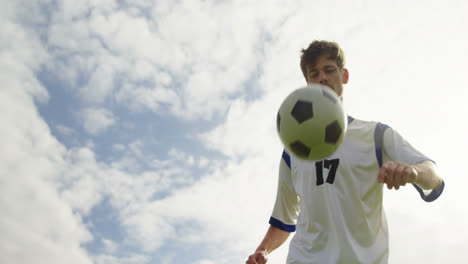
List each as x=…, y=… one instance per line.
x=324, y=62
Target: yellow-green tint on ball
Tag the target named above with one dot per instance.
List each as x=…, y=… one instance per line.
x=312, y=131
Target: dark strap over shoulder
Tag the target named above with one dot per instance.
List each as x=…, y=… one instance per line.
x=378, y=140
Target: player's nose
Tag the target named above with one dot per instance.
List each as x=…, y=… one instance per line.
x=323, y=77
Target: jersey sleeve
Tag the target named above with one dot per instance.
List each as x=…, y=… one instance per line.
x=396, y=148
x=286, y=207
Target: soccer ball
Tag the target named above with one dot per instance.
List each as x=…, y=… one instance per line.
x=311, y=122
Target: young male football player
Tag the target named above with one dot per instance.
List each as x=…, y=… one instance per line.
x=335, y=205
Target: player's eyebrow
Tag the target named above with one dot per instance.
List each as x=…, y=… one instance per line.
x=329, y=66
x=325, y=67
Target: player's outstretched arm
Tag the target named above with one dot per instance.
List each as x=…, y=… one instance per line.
x=274, y=238
x=427, y=176
x=396, y=174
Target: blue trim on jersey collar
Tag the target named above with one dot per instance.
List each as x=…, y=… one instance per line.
x=287, y=159
x=278, y=224
x=350, y=119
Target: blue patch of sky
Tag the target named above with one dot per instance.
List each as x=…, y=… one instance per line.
x=175, y=251
x=35, y=15
x=159, y=132
x=144, y=12
x=252, y=90
x=103, y=223
x=60, y=109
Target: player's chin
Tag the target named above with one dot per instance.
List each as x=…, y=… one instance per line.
x=334, y=89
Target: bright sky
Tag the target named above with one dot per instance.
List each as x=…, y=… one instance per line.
x=144, y=131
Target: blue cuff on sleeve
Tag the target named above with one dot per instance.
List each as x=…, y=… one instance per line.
x=431, y=196
x=278, y=224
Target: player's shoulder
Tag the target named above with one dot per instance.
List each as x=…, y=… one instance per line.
x=366, y=128
x=355, y=123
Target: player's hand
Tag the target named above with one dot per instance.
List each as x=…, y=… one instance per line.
x=396, y=174
x=259, y=257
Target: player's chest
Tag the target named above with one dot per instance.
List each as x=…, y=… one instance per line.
x=352, y=168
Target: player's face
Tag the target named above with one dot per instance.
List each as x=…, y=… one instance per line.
x=326, y=72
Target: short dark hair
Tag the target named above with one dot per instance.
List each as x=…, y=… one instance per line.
x=316, y=49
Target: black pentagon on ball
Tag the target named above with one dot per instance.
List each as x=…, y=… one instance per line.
x=302, y=111
x=332, y=132
x=299, y=149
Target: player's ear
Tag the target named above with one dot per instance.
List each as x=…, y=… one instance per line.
x=345, y=76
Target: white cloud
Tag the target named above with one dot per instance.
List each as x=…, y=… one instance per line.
x=18, y=60
x=141, y=97
x=96, y=120
x=83, y=181
x=118, y=147
x=181, y=156
x=64, y=130
x=35, y=219
x=135, y=148
x=110, y=246
x=132, y=259
x=79, y=184
x=211, y=49
x=101, y=82
x=205, y=261
x=203, y=162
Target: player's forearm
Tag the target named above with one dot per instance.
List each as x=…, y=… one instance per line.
x=427, y=176
x=274, y=238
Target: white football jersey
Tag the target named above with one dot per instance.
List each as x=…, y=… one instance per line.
x=335, y=204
